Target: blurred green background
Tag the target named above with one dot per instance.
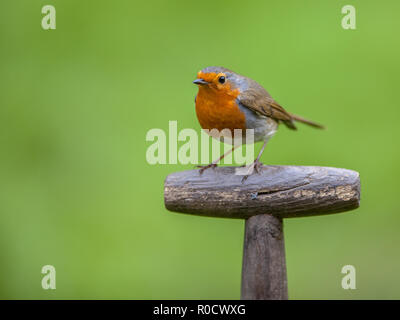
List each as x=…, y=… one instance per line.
x=76, y=103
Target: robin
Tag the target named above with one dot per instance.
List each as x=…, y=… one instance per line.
x=227, y=100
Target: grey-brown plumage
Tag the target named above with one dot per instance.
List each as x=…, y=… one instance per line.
x=256, y=98
x=232, y=101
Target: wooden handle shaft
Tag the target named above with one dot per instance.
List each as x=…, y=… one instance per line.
x=264, y=266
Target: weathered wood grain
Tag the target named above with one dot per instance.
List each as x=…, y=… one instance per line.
x=263, y=200
x=264, y=266
x=282, y=191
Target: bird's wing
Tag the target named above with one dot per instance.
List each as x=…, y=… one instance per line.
x=261, y=103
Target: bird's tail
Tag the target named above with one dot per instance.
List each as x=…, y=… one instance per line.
x=310, y=123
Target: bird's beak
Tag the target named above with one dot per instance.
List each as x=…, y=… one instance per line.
x=200, y=81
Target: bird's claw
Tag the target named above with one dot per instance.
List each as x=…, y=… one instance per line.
x=257, y=166
x=203, y=168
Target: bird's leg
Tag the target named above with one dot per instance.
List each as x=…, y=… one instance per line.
x=256, y=165
x=214, y=163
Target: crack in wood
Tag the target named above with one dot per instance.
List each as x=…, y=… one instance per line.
x=284, y=191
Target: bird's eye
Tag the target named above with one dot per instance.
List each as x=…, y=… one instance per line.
x=221, y=79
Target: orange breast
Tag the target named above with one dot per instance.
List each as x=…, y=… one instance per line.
x=217, y=109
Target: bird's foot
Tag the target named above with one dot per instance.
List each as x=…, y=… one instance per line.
x=203, y=168
x=258, y=166
x=255, y=166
